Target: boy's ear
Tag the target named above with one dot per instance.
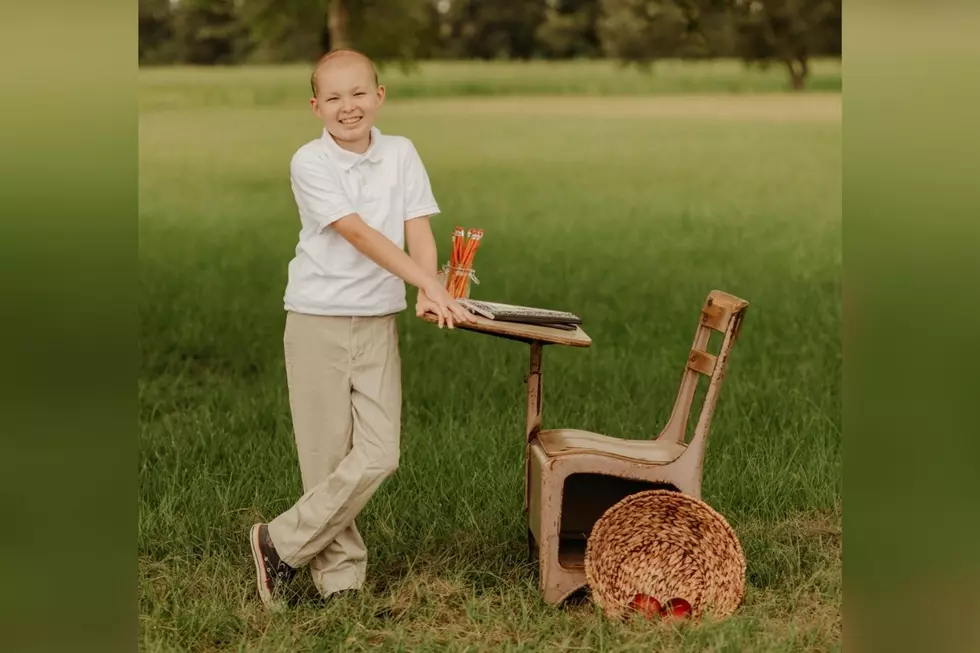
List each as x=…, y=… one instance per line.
x=382, y=92
x=313, y=106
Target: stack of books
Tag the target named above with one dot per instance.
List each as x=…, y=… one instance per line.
x=522, y=314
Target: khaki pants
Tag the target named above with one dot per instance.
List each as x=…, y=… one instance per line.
x=344, y=377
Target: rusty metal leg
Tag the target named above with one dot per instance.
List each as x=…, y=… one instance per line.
x=533, y=422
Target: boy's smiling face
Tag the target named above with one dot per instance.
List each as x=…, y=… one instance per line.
x=347, y=99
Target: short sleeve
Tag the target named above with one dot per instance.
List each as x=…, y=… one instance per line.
x=319, y=194
x=419, y=200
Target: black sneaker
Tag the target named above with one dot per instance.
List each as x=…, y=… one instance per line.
x=271, y=572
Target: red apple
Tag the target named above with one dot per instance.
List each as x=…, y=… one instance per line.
x=648, y=606
x=676, y=608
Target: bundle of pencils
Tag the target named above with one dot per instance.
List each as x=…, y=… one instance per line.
x=461, y=260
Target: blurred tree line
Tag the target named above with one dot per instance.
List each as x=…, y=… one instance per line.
x=788, y=33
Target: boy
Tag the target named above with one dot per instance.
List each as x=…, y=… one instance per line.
x=361, y=197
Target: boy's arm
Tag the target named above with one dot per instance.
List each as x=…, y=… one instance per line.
x=422, y=244
x=376, y=246
x=420, y=205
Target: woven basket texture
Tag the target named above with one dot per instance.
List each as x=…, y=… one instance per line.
x=665, y=544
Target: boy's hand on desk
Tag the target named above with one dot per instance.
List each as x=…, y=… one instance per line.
x=435, y=299
x=425, y=305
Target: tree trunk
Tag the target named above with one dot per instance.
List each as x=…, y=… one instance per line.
x=798, y=71
x=337, y=20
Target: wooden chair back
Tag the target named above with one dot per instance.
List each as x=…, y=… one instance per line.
x=721, y=313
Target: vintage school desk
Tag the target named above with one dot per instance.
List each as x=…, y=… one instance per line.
x=536, y=336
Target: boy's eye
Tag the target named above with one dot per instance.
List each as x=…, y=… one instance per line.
x=331, y=99
x=360, y=93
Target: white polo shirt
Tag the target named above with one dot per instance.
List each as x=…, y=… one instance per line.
x=386, y=186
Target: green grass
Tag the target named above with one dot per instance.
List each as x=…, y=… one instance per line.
x=279, y=86
x=624, y=211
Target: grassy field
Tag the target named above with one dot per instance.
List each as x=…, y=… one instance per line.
x=284, y=86
x=627, y=210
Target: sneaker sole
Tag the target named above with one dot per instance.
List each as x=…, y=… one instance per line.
x=262, y=579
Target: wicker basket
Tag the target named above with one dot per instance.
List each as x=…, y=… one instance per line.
x=666, y=545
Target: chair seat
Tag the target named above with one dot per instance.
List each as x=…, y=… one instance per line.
x=559, y=442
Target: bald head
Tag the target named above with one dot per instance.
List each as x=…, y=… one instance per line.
x=346, y=97
x=336, y=59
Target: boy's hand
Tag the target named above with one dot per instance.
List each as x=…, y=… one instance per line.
x=425, y=305
x=434, y=298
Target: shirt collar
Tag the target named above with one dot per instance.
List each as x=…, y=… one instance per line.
x=347, y=159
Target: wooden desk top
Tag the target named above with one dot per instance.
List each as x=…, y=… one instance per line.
x=523, y=332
